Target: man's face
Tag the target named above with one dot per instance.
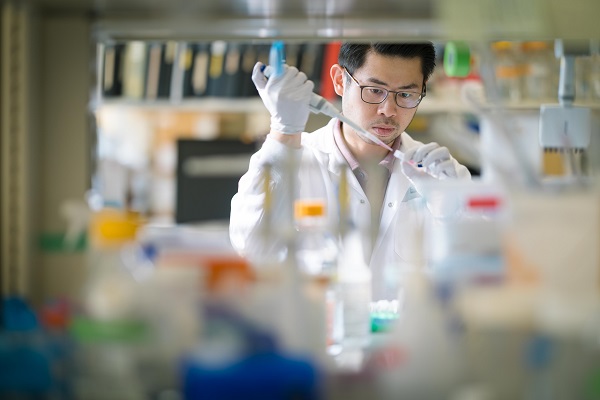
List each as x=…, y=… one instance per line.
x=386, y=120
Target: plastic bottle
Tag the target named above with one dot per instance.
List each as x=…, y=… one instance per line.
x=281, y=302
x=541, y=67
x=354, y=276
x=317, y=248
x=430, y=340
x=112, y=264
x=317, y=254
x=108, y=332
x=26, y=358
x=465, y=249
x=355, y=289
x=509, y=72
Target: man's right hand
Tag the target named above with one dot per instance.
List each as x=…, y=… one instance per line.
x=286, y=96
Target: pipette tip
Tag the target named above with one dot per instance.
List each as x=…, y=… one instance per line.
x=399, y=155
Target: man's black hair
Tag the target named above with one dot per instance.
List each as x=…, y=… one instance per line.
x=352, y=56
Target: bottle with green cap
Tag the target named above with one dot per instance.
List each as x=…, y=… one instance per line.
x=457, y=59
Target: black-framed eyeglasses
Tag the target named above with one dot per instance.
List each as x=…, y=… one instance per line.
x=377, y=95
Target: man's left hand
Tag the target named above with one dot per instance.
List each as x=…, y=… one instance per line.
x=435, y=160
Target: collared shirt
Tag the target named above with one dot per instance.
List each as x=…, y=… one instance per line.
x=376, y=191
x=357, y=169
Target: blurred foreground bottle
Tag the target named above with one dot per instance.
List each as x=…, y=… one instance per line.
x=317, y=255
x=268, y=347
x=509, y=71
x=281, y=301
x=29, y=365
x=108, y=332
x=317, y=248
x=425, y=350
x=541, y=71
x=354, y=277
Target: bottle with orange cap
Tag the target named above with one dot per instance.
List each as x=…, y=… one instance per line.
x=509, y=71
x=317, y=248
x=316, y=255
x=541, y=71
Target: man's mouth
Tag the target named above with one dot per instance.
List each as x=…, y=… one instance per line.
x=383, y=130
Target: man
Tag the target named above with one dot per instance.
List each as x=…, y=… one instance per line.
x=381, y=86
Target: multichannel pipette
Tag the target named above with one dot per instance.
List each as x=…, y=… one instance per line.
x=318, y=105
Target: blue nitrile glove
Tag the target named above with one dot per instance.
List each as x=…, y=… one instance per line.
x=286, y=96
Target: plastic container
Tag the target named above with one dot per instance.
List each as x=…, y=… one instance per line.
x=115, y=265
x=317, y=254
x=465, y=245
x=284, y=300
x=354, y=278
x=509, y=71
x=107, y=359
x=267, y=375
x=541, y=71
x=26, y=359
x=317, y=249
x=109, y=331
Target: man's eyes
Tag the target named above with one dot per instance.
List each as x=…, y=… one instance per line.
x=374, y=90
x=378, y=92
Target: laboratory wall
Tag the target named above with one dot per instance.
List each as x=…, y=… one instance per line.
x=65, y=140
x=19, y=148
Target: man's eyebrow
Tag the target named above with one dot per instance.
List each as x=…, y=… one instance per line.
x=382, y=83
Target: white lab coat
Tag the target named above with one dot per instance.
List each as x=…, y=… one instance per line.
x=397, y=247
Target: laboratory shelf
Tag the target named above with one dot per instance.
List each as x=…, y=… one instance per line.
x=207, y=104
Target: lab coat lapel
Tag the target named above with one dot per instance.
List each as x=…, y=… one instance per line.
x=335, y=160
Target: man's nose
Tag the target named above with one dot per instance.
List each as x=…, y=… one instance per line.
x=389, y=108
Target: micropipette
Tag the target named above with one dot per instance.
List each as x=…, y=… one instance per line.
x=318, y=105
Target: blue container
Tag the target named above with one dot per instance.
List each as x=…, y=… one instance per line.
x=264, y=376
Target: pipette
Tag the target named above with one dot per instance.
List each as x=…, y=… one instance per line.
x=363, y=132
x=318, y=105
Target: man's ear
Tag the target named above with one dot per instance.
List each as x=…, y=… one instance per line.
x=337, y=77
